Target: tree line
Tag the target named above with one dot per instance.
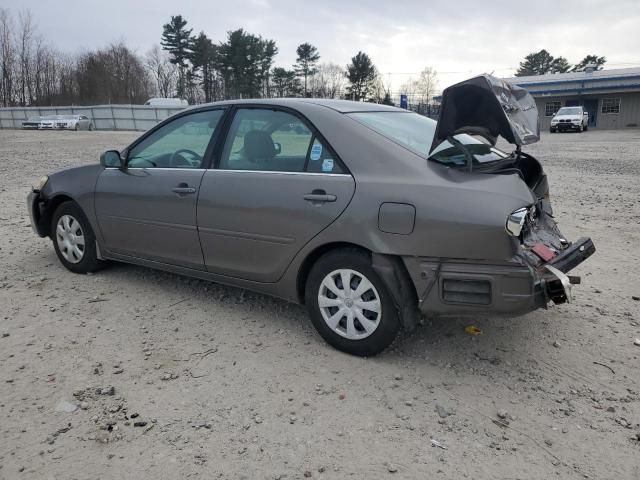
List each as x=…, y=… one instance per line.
x=184, y=65
x=542, y=62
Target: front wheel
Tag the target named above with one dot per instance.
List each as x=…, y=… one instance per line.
x=349, y=305
x=73, y=239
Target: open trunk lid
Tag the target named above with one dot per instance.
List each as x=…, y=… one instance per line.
x=489, y=106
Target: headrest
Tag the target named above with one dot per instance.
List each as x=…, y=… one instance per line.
x=258, y=145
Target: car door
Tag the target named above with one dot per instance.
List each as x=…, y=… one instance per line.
x=277, y=185
x=84, y=123
x=148, y=209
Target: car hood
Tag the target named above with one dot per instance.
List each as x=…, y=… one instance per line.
x=490, y=106
x=567, y=117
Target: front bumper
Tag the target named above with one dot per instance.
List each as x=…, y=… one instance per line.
x=468, y=288
x=563, y=127
x=34, y=205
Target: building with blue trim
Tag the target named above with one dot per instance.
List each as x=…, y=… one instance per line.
x=612, y=97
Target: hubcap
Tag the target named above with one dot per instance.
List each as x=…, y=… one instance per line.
x=70, y=239
x=350, y=304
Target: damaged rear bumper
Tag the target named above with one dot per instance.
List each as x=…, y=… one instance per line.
x=471, y=287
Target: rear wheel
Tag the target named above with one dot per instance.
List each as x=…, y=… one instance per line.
x=349, y=304
x=73, y=239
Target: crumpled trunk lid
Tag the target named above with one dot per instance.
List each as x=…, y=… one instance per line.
x=489, y=105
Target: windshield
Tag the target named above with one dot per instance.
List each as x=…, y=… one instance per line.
x=569, y=111
x=416, y=132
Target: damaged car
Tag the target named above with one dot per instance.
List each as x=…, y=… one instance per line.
x=370, y=215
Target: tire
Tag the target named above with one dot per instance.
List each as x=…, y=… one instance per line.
x=74, y=256
x=382, y=327
x=75, y=128
x=91, y=127
x=586, y=127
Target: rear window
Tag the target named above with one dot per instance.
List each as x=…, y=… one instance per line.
x=415, y=132
x=410, y=130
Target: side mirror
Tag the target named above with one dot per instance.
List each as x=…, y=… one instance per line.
x=277, y=147
x=111, y=159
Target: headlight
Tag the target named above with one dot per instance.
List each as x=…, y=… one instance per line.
x=554, y=121
x=515, y=221
x=42, y=181
x=70, y=124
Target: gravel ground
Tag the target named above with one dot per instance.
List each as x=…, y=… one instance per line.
x=133, y=373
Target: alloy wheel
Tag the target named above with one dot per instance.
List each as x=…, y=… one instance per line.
x=70, y=238
x=350, y=304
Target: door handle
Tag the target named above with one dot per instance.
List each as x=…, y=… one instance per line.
x=183, y=189
x=320, y=196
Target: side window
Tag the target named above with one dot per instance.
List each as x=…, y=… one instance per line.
x=321, y=159
x=181, y=143
x=267, y=140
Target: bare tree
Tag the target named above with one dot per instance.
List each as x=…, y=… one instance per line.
x=24, y=43
x=328, y=81
x=427, y=85
x=421, y=90
x=164, y=72
x=7, y=58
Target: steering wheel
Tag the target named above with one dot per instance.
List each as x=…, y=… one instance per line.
x=178, y=153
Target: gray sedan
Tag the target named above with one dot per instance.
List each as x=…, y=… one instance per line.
x=370, y=215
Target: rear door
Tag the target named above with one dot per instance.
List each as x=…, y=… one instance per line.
x=148, y=210
x=276, y=185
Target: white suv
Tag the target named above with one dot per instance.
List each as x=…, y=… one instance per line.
x=570, y=118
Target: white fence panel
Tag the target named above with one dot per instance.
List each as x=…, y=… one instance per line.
x=104, y=117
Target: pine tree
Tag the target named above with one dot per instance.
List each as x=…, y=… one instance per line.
x=362, y=74
x=204, y=59
x=305, y=65
x=595, y=60
x=176, y=39
x=541, y=63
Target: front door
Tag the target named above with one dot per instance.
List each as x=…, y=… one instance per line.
x=591, y=106
x=277, y=185
x=148, y=209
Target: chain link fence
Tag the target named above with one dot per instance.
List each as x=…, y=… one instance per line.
x=103, y=117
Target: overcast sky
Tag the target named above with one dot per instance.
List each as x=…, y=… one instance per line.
x=459, y=38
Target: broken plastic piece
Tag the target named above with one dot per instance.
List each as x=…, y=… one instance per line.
x=542, y=251
x=437, y=444
x=473, y=330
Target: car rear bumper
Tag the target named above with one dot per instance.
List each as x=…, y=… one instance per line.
x=468, y=288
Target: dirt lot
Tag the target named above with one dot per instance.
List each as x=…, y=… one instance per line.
x=216, y=382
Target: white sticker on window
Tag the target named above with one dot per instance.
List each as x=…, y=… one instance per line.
x=327, y=165
x=316, y=151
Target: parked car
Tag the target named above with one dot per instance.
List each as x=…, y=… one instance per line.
x=371, y=217
x=570, y=118
x=48, y=122
x=73, y=122
x=167, y=102
x=32, y=123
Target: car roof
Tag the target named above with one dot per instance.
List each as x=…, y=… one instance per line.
x=342, y=106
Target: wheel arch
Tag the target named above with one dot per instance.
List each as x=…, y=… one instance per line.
x=391, y=270
x=50, y=206
x=313, y=256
